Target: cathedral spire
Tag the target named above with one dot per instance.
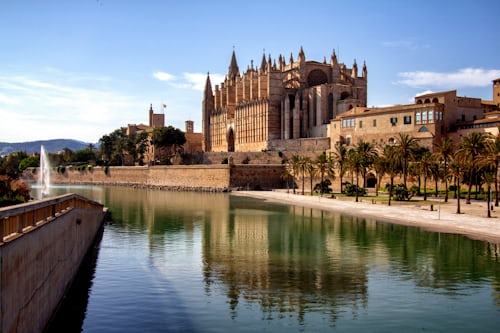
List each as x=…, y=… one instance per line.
x=208, y=86
x=234, y=71
x=364, y=70
x=302, y=55
x=263, y=64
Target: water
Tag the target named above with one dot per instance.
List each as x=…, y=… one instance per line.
x=44, y=177
x=205, y=262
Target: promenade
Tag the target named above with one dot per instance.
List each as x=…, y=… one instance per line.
x=472, y=222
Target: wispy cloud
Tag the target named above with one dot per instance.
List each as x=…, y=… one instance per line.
x=466, y=77
x=404, y=44
x=164, y=76
x=194, y=81
x=44, y=105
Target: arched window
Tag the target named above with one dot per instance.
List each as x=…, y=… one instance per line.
x=330, y=106
x=344, y=95
x=419, y=101
x=435, y=100
x=423, y=129
x=427, y=100
x=316, y=77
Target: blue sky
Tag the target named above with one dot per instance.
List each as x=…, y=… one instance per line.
x=80, y=69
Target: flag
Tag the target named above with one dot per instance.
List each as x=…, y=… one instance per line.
x=164, y=106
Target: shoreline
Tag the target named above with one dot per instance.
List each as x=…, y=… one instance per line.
x=472, y=222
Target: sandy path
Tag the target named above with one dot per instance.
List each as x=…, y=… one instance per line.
x=473, y=221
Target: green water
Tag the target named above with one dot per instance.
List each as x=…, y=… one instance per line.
x=213, y=262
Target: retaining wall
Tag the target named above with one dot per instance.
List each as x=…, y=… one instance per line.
x=39, y=261
x=180, y=177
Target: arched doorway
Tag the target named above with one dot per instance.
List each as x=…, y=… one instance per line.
x=230, y=140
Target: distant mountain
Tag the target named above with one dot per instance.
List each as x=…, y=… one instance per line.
x=52, y=146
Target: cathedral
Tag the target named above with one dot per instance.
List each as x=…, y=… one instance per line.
x=273, y=106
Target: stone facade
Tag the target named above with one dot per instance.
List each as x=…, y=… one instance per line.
x=281, y=101
x=429, y=119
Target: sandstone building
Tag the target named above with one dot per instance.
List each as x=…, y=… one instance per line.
x=311, y=106
x=275, y=104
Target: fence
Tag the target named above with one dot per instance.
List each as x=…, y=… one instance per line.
x=20, y=219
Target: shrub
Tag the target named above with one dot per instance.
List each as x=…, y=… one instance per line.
x=323, y=187
x=246, y=160
x=401, y=193
x=12, y=191
x=225, y=160
x=106, y=170
x=351, y=189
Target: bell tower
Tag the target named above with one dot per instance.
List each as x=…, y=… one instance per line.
x=496, y=92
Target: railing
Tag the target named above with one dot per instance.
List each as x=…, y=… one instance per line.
x=19, y=219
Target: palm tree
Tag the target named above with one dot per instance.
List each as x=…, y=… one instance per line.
x=324, y=166
x=367, y=153
x=470, y=148
x=340, y=157
x=304, y=163
x=355, y=162
x=380, y=167
x=425, y=165
x=293, y=166
x=444, y=151
x=392, y=167
x=493, y=153
x=405, y=147
x=456, y=169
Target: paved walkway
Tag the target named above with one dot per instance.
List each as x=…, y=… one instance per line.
x=472, y=222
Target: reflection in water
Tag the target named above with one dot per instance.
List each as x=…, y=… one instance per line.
x=231, y=262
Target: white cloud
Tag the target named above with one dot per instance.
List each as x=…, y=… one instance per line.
x=194, y=81
x=164, y=76
x=466, y=77
x=59, y=106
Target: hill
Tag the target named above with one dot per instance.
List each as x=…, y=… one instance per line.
x=52, y=146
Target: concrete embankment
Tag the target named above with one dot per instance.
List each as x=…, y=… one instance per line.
x=42, y=245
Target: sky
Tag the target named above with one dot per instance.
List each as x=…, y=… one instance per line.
x=81, y=69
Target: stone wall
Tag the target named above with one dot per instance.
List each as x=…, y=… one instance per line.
x=218, y=177
x=37, y=267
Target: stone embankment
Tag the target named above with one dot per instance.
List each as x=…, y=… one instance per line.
x=213, y=178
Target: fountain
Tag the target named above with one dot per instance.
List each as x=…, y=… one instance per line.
x=44, y=177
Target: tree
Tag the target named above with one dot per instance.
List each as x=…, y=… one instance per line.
x=324, y=166
x=393, y=166
x=169, y=140
x=470, y=148
x=380, y=166
x=492, y=155
x=406, y=146
x=444, y=151
x=456, y=169
x=367, y=154
x=425, y=165
x=340, y=157
x=304, y=165
x=293, y=166
x=12, y=191
x=355, y=163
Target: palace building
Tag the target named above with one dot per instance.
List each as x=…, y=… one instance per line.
x=271, y=106
x=311, y=106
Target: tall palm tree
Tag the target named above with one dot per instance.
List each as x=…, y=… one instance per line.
x=324, y=167
x=340, y=156
x=380, y=167
x=470, y=148
x=304, y=165
x=355, y=162
x=493, y=155
x=367, y=154
x=293, y=166
x=393, y=166
x=444, y=151
x=405, y=147
x=425, y=165
x=456, y=169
